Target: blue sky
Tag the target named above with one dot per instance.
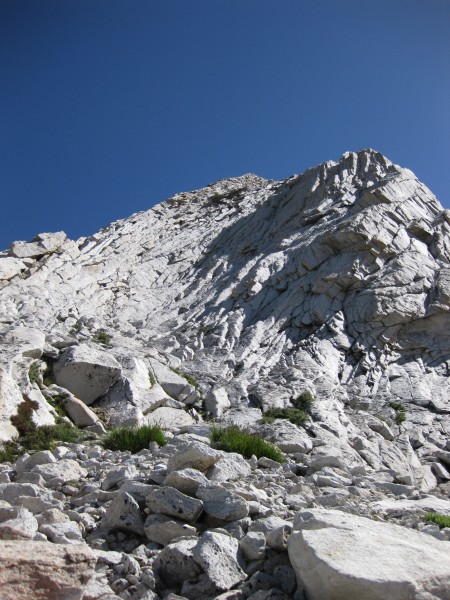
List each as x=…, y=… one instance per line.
x=109, y=106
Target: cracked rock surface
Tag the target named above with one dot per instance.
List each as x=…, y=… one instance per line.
x=226, y=303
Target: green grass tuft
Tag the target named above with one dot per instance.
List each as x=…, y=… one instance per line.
x=103, y=338
x=243, y=441
x=134, y=438
x=438, y=519
x=400, y=414
x=296, y=416
x=151, y=378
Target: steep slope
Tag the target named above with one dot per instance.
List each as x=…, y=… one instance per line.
x=336, y=281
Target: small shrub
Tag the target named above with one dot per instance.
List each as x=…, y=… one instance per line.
x=57, y=403
x=438, y=519
x=34, y=372
x=296, y=416
x=23, y=421
x=400, y=414
x=9, y=452
x=151, y=378
x=46, y=436
x=134, y=438
x=304, y=401
x=188, y=378
x=76, y=327
x=103, y=338
x=243, y=441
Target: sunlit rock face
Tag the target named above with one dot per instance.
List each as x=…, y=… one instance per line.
x=336, y=281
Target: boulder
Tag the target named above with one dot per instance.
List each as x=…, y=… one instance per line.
x=44, y=571
x=163, y=530
x=337, y=556
x=171, y=502
x=221, y=504
x=124, y=514
x=80, y=414
x=60, y=472
x=186, y=480
x=230, y=467
x=218, y=556
x=86, y=372
x=169, y=418
x=65, y=532
x=194, y=455
x=17, y=523
x=117, y=475
x=27, y=462
x=172, y=383
x=175, y=563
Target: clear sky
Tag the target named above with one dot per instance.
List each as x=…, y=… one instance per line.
x=109, y=106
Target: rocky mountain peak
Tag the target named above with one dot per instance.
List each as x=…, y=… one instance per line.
x=313, y=311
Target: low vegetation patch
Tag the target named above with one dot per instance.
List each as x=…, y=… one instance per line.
x=400, y=414
x=134, y=438
x=151, y=378
x=34, y=372
x=243, y=441
x=103, y=338
x=438, y=519
x=188, y=378
x=296, y=416
x=298, y=413
x=33, y=438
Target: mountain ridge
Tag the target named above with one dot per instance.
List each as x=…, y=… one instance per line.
x=334, y=281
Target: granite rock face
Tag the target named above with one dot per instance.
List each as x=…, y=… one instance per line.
x=244, y=296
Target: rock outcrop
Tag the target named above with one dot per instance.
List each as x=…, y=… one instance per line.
x=324, y=298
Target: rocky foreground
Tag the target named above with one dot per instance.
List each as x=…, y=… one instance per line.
x=229, y=305
x=186, y=520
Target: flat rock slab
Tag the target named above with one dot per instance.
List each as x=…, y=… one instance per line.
x=338, y=556
x=86, y=372
x=44, y=571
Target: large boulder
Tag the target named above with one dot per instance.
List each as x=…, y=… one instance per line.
x=86, y=372
x=337, y=556
x=44, y=571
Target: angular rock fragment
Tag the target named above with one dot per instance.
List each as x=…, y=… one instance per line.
x=221, y=504
x=194, y=455
x=124, y=514
x=218, y=555
x=163, y=530
x=169, y=501
x=185, y=480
